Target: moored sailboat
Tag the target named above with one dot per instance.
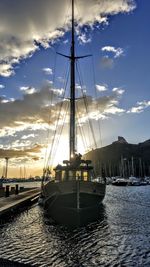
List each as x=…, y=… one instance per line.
x=73, y=196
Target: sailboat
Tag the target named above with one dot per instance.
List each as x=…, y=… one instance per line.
x=73, y=198
x=132, y=179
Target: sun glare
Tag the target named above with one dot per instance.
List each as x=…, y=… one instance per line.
x=56, y=155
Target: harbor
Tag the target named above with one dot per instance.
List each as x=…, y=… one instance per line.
x=11, y=203
x=120, y=237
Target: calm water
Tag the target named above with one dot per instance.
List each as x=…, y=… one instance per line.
x=120, y=238
x=24, y=184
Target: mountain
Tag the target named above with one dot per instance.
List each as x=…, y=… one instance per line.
x=121, y=153
x=121, y=140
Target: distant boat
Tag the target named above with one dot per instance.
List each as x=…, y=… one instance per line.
x=74, y=195
x=120, y=182
x=147, y=179
x=134, y=181
x=143, y=182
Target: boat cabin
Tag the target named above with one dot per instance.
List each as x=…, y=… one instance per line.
x=76, y=169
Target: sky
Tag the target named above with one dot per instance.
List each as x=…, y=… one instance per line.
x=34, y=78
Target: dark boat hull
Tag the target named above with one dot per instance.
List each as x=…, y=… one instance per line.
x=120, y=183
x=63, y=209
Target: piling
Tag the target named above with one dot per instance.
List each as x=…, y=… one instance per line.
x=2, y=191
x=7, y=191
x=17, y=189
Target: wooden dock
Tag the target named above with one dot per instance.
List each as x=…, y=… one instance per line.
x=12, y=203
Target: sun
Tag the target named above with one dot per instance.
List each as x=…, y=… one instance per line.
x=59, y=152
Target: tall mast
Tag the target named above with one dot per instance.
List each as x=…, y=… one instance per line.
x=72, y=89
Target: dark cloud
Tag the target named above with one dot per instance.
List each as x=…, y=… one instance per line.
x=45, y=107
x=26, y=23
x=33, y=108
x=14, y=153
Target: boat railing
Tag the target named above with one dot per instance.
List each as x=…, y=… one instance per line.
x=99, y=179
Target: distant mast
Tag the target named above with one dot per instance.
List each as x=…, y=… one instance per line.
x=6, y=168
x=72, y=90
x=132, y=166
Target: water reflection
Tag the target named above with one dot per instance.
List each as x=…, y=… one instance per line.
x=72, y=246
x=87, y=218
x=120, y=237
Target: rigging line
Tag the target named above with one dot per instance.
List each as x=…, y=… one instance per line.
x=57, y=123
x=55, y=132
x=88, y=132
x=64, y=79
x=59, y=134
x=83, y=137
x=91, y=125
x=63, y=114
x=58, y=140
x=61, y=130
x=64, y=23
x=86, y=106
x=99, y=119
x=57, y=46
x=56, y=129
x=54, y=73
x=53, y=81
x=54, y=139
x=80, y=129
x=88, y=124
x=90, y=52
x=50, y=105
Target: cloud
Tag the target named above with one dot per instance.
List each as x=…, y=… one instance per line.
x=17, y=153
x=3, y=99
x=28, y=90
x=35, y=107
x=32, y=23
x=47, y=71
x=140, y=107
x=84, y=39
x=117, y=52
x=81, y=88
x=103, y=107
x=18, y=144
x=61, y=79
x=24, y=137
x=107, y=62
x=29, y=119
x=24, y=88
x=65, y=41
x=41, y=109
x=119, y=91
x=102, y=88
x=6, y=68
x=58, y=92
x=144, y=103
x=2, y=86
x=114, y=110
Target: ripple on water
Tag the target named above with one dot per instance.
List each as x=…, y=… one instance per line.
x=120, y=238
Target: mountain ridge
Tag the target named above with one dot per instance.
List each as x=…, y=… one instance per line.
x=110, y=157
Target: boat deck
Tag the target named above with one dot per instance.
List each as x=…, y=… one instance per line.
x=13, y=202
